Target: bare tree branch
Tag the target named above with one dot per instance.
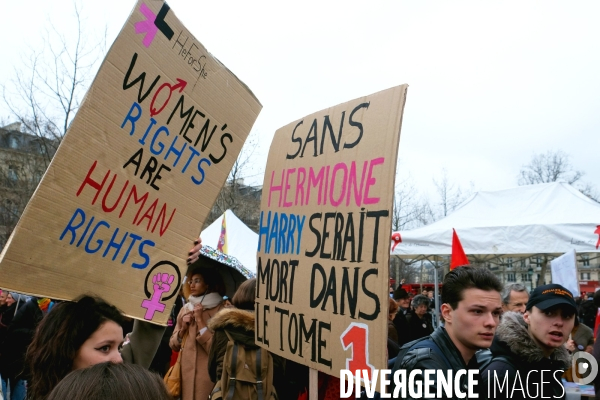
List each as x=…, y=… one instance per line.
x=409, y=209
x=450, y=196
x=47, y=89
x=551, y=166
x=43, y=97
x=237, y=195
x=555, y=166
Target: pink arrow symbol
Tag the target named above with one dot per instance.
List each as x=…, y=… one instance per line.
x=181, y=84
x=147, y=26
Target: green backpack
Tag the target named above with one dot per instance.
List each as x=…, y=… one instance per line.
x=247, y=374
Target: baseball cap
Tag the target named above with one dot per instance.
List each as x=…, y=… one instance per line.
x=547, y=296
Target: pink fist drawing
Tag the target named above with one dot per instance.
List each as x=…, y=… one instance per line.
x=161, y=284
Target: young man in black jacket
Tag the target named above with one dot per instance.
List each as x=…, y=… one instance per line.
x=528, y=356
x=471, y=308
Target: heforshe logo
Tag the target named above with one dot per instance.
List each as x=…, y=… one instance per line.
x=586, y=365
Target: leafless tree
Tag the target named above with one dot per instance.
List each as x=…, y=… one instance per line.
x=43, y=97
x=402, y=269
x=49, y=85
x=237, y=195
x=410, y=210
x=551, y=166
x=555, y=166
x=450, y=195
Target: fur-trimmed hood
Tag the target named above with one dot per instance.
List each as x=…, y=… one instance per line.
x=232, y=318
x=513, y=332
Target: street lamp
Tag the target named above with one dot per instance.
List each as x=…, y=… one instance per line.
x=530, y=273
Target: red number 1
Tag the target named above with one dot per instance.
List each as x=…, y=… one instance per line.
x=357, y=336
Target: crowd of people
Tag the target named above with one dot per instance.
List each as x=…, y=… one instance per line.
x=77, y=349
x=503, y=332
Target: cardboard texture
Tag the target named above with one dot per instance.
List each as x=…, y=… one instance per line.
x=325, y=223
x=136, y=174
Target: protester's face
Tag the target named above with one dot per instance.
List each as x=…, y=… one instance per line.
x=3, y=296
x=421, y=310
x=9, y=300
x=430, y=294
x=104, y=345
x=472, y=324
x=517, y=302
x=197, y=285
x=404, y=303
x=551, y=328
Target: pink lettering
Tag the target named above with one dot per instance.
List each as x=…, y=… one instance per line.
x=287, y=186
x=371, y=181
x=336, y=168
x=273, y=188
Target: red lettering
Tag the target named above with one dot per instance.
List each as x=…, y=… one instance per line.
x=357, y=337
x=89, y=181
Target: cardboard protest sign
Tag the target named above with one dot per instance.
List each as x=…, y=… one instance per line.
x=325, y=223
x=564, y=272
x=136, y=174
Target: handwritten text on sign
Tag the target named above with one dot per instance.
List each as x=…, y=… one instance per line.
x=326, y=203
x=137, y=172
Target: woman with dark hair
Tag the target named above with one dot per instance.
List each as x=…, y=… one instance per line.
x=238, y=321
x=204, y=291
x=73, y=335
x=111, y=381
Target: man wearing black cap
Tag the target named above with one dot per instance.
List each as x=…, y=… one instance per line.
x=400, y=322
x=528, y=356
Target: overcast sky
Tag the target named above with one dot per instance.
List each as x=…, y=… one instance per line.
x=490, y=83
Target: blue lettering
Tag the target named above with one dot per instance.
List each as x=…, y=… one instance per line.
x=283, y=222
x=174, y=150
x=114, y=244
x=264, y=230
x=205, y=160
x=132, y=118
x=143, y=139
x=273, y=233
x=100, y=242
x=144, y=255
x=300, y=226
x=194, y=154
x=160, y=146
x=78, y=213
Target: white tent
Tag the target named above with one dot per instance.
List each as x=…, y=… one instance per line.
x=242, y=242
x=550, y=218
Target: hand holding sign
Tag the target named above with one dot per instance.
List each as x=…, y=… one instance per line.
x=194, y=252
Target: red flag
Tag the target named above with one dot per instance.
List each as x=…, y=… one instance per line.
x=597, y=323
x=458, y=254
